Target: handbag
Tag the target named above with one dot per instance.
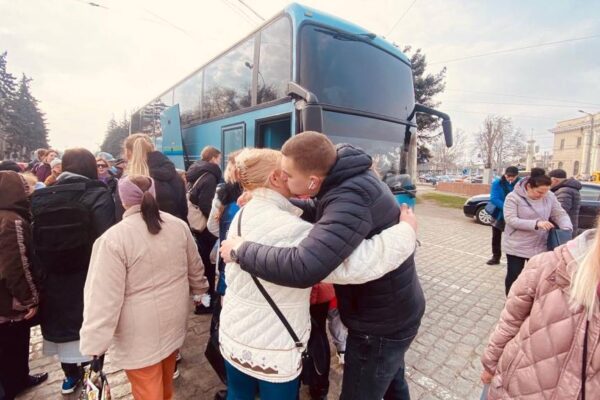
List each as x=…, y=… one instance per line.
x=313, y=359
x=95, y=384
x=556, y=236
x=492, y=210
x=195, y=216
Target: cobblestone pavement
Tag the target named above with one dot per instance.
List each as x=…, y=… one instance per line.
x=464, y=299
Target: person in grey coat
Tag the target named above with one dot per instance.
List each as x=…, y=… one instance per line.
x=530, y=211
x=567, y=193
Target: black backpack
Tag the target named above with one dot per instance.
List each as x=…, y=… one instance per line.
x=63, y=229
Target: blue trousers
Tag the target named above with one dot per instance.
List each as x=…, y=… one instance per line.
x=374, y=368
x=244, y=387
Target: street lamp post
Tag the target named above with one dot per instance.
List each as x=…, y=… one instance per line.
x=588, y=160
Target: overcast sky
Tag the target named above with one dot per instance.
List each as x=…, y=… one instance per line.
x=92, y=63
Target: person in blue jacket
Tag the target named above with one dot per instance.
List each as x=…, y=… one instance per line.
x=501, y=187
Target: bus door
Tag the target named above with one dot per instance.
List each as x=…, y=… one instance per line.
x=233, y=137
x=172, y=144
x=273, y=132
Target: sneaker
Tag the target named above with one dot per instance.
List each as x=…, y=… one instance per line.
x=176, y=373
x=493, y=261
x=70, y=384
x=340, y=356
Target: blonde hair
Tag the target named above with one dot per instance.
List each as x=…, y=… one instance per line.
x=586, y=278
x=30, y=181
x=230, y=170
x=139, y=144
x=255, y=166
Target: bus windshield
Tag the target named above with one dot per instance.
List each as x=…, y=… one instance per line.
x=348, y=71
x=382, y=140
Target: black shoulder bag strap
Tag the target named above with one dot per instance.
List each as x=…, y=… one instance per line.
x=262, y=289
x=584, y=362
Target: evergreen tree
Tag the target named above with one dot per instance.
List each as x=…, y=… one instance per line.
x=30, y=131
x=7, y=94
x=427, y=86
x=115, y=135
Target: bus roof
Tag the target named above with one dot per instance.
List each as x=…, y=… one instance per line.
x=299, y=13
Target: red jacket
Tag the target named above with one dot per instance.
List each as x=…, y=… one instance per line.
x=322, y=293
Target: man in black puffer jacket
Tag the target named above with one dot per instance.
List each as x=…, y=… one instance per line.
x=350, y=204
x=567, y=193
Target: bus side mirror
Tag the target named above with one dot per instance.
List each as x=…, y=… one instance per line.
x=447, y=127
x=446, y=123
x=312, y=118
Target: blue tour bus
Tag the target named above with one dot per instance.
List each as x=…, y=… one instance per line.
x=301, y=70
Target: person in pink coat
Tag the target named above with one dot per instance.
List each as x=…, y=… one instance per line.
x=547, y=342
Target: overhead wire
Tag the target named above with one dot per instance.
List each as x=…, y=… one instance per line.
x=514, y=49
x=251, y=9
x=239, y=12
x=401, y=18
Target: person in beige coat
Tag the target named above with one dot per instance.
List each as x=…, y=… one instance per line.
x=547, y=342
x=136, y=292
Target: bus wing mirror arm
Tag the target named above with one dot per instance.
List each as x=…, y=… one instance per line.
x=446, y=123
x=297, y=91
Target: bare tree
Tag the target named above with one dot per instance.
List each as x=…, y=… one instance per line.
x=446, y=158
x=498, y=141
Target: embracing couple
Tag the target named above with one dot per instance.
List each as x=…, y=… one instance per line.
x=351, y=232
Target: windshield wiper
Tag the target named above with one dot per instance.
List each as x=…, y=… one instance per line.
x=353, y=37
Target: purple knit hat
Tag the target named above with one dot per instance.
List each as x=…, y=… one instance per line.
x=131, y=194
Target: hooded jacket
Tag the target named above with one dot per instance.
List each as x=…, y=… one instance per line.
x=62, y=293
x=18, y=291
x=203, y=191
x=352, y=204
x=170, y=189
x=567, y=193
x=536, y=350
x=521, y=214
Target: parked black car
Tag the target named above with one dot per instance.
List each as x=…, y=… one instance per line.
x=590, y=206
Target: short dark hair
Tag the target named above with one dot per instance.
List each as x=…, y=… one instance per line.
x=209, y=152
x=511, y=171
x=9, y=165
x=538, y=178
x=312, y=152
x=558, y=173
x=80, y=161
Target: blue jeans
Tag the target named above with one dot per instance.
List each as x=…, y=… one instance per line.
x=374, y=368
x=244, y=387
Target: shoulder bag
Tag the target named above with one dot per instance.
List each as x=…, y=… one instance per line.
x=313, y=355
x=195, y=216
x=556, y=236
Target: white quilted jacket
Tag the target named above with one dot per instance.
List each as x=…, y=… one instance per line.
x=252, y=338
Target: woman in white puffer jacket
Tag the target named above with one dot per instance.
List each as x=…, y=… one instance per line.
x=258, y=350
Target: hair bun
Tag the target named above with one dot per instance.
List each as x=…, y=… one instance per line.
x=537, y=172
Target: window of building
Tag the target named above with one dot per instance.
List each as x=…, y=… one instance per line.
x=575, y=168
x=560, y=164
x=188, y=95
x=228, y=81
x=275, y=61
x=579, y=141
x=562, y=144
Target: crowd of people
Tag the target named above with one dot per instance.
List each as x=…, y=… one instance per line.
x=108, y=256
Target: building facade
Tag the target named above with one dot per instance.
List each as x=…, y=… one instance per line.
x=576, y=148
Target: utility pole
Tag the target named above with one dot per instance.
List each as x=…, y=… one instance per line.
x=588, y=146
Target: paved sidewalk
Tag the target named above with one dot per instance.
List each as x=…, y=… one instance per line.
x=464, y=300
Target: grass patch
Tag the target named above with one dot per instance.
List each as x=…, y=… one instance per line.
x=445, y=200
